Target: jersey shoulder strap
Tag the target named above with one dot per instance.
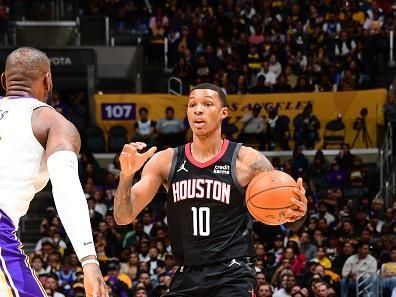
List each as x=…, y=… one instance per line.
x=177, y=152
x=233, y=167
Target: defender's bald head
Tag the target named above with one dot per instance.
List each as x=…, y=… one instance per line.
x=29, y=62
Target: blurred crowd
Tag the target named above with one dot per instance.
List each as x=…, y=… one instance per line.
x=246, y=46
x=262, y=46
x=347, y=232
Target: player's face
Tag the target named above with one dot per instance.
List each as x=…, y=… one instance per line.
x=205, y=111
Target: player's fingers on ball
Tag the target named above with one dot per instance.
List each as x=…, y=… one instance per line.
x=299, y=193
x=292, y=212
x=297, y=202
x=301, y=185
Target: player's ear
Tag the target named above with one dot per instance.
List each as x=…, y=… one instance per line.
x=224, y=112
x=48, y=82
x=3, y=81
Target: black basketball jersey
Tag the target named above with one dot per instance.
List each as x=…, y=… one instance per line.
x=207, y=216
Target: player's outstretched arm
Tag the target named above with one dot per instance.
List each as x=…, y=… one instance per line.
x=61, y=141
x=130, y=200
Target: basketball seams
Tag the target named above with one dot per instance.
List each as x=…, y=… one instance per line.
x=266, y=208
x=270, y=189
x=258, y=218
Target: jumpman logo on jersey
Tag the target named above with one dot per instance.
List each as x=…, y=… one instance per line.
x=182, y=167
x=234, y=262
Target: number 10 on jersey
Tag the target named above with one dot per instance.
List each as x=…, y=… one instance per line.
x=201, y=221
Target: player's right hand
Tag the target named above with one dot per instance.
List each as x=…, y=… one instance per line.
x=131, y=160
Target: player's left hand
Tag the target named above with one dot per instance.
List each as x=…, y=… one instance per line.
x=299, y=208
x=93, y=281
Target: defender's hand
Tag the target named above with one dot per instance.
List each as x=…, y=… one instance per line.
x=131, y=161
x=93, y=281
x=300, y=205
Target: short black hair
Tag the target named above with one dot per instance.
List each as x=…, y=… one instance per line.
x=143, y=109
x=169, y=108
x=212, y=87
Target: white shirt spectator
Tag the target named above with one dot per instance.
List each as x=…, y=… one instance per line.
x=331, y=28
x=276, y=68
x=270, y=77
x=147, y=228
x=328, y=217
x=357, y=266
x=345, y=48
x=370, y=14
x=253, y=124
x=281, y=293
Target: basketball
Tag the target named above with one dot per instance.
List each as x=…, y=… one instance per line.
x=268, y=197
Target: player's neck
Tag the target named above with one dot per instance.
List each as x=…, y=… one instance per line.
x=205, y=148
x=19, y=93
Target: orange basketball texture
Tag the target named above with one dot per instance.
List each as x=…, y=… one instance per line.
x=268, y=196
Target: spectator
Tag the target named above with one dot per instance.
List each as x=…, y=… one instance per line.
x=144, y=278
x=4, y=18
x=306, y=127
x=296, y=261
x=345, y=158
x=322, y=257
x=170, y=130
x=260, y=86
x=270, y=77
x=277, y=130
x=253, y=127
x=37, y=264
x=66, y=276
x=323, y=213
x=346, y=46
x=287, y=283
x=119, y=282
x=303, y=85
x=306, y=247
x=264, y=290
x=51, y=283
x=337, y=177
x=388, y=271
x=282, y=86
x=274, y=65
x=332, y=26
x=317, y=172
x=291, y=76
x=144, y=128
x=202, y=71
x=299, y=162
x=355, y=265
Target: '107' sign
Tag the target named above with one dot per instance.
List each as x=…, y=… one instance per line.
x=118, y=111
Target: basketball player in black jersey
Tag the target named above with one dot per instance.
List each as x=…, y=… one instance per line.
x=208, y=221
